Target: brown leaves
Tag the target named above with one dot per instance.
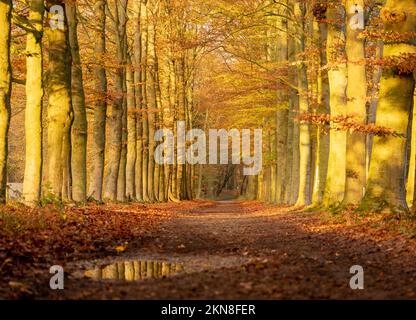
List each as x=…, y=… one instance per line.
x=387, y=36
x=402, y=64
x=392, y=16
x=348, y=123
x=33, y=237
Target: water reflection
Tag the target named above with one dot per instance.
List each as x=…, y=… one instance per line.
x=134, y=270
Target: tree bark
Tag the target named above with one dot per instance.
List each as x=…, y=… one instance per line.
x=304, y=197
x=323, y=108
x=137, y=50
x=114, y=146
x=33, y=112
x=145, y=123
x=79, y=127
x=100, y=106
x=5, y=91
x=335, y=180
x=59, y=109
x=386, y=183
x=356, y=105
x=131, y=135
x=121, y=179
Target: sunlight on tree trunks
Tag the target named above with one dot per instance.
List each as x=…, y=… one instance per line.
x=79, y=125
x=33, y=112
x=59, y=110
x=100, y=105
x=386, y=183
x=356, y=105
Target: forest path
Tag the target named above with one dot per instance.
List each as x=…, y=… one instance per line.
x=247, y=250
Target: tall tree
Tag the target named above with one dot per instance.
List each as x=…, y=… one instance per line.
x=144, y=113
x=337, y=75
x=59, y=107
x=79, y=126
x=137, y=55
x=131, y=133
x=33, y=112
x=5, y=90
x=121, y=179
x=305, y=181
x=323, y=99
x=114, y=143
x=100, y=105
x=386, y=183
x=282, y=115
x=151, y=97
x=356, y=102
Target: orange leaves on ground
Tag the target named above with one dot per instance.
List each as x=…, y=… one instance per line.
x=34, y=239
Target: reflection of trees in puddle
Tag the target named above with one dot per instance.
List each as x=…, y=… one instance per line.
x=134, y=270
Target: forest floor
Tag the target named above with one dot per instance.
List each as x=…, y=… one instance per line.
x=229, y=250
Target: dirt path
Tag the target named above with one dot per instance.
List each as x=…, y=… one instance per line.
x=244, y=250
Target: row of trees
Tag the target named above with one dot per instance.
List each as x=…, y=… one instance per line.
x=331, y=82
x=347, y=71
x=135, y=74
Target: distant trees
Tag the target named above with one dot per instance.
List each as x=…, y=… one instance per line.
x=335, y=77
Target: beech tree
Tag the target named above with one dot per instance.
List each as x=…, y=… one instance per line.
x=5, y=91
x=100, y=105
x=33, y=112
x=386, y=183
x=330, y=82
x=79, y=126
x=59, y=105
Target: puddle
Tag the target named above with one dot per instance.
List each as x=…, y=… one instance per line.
x=134, y=270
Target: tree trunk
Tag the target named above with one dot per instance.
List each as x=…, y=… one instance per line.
x=131, y=134
x=79, y=127
x=335, y=180
x=293, y=148
x=100, y=106
x=386, y=183
x=151, y=104
x=356, y=105
x=145, y=123
x=114, y=147
x=121, y=179
x=180, y=168
x=59, y=110
x=282, y=174
x=5, y=91
x=410, y=186
x=323, y=108
x=33, y=112
x=200, y=166
x=304, y=197
x=137, y=50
